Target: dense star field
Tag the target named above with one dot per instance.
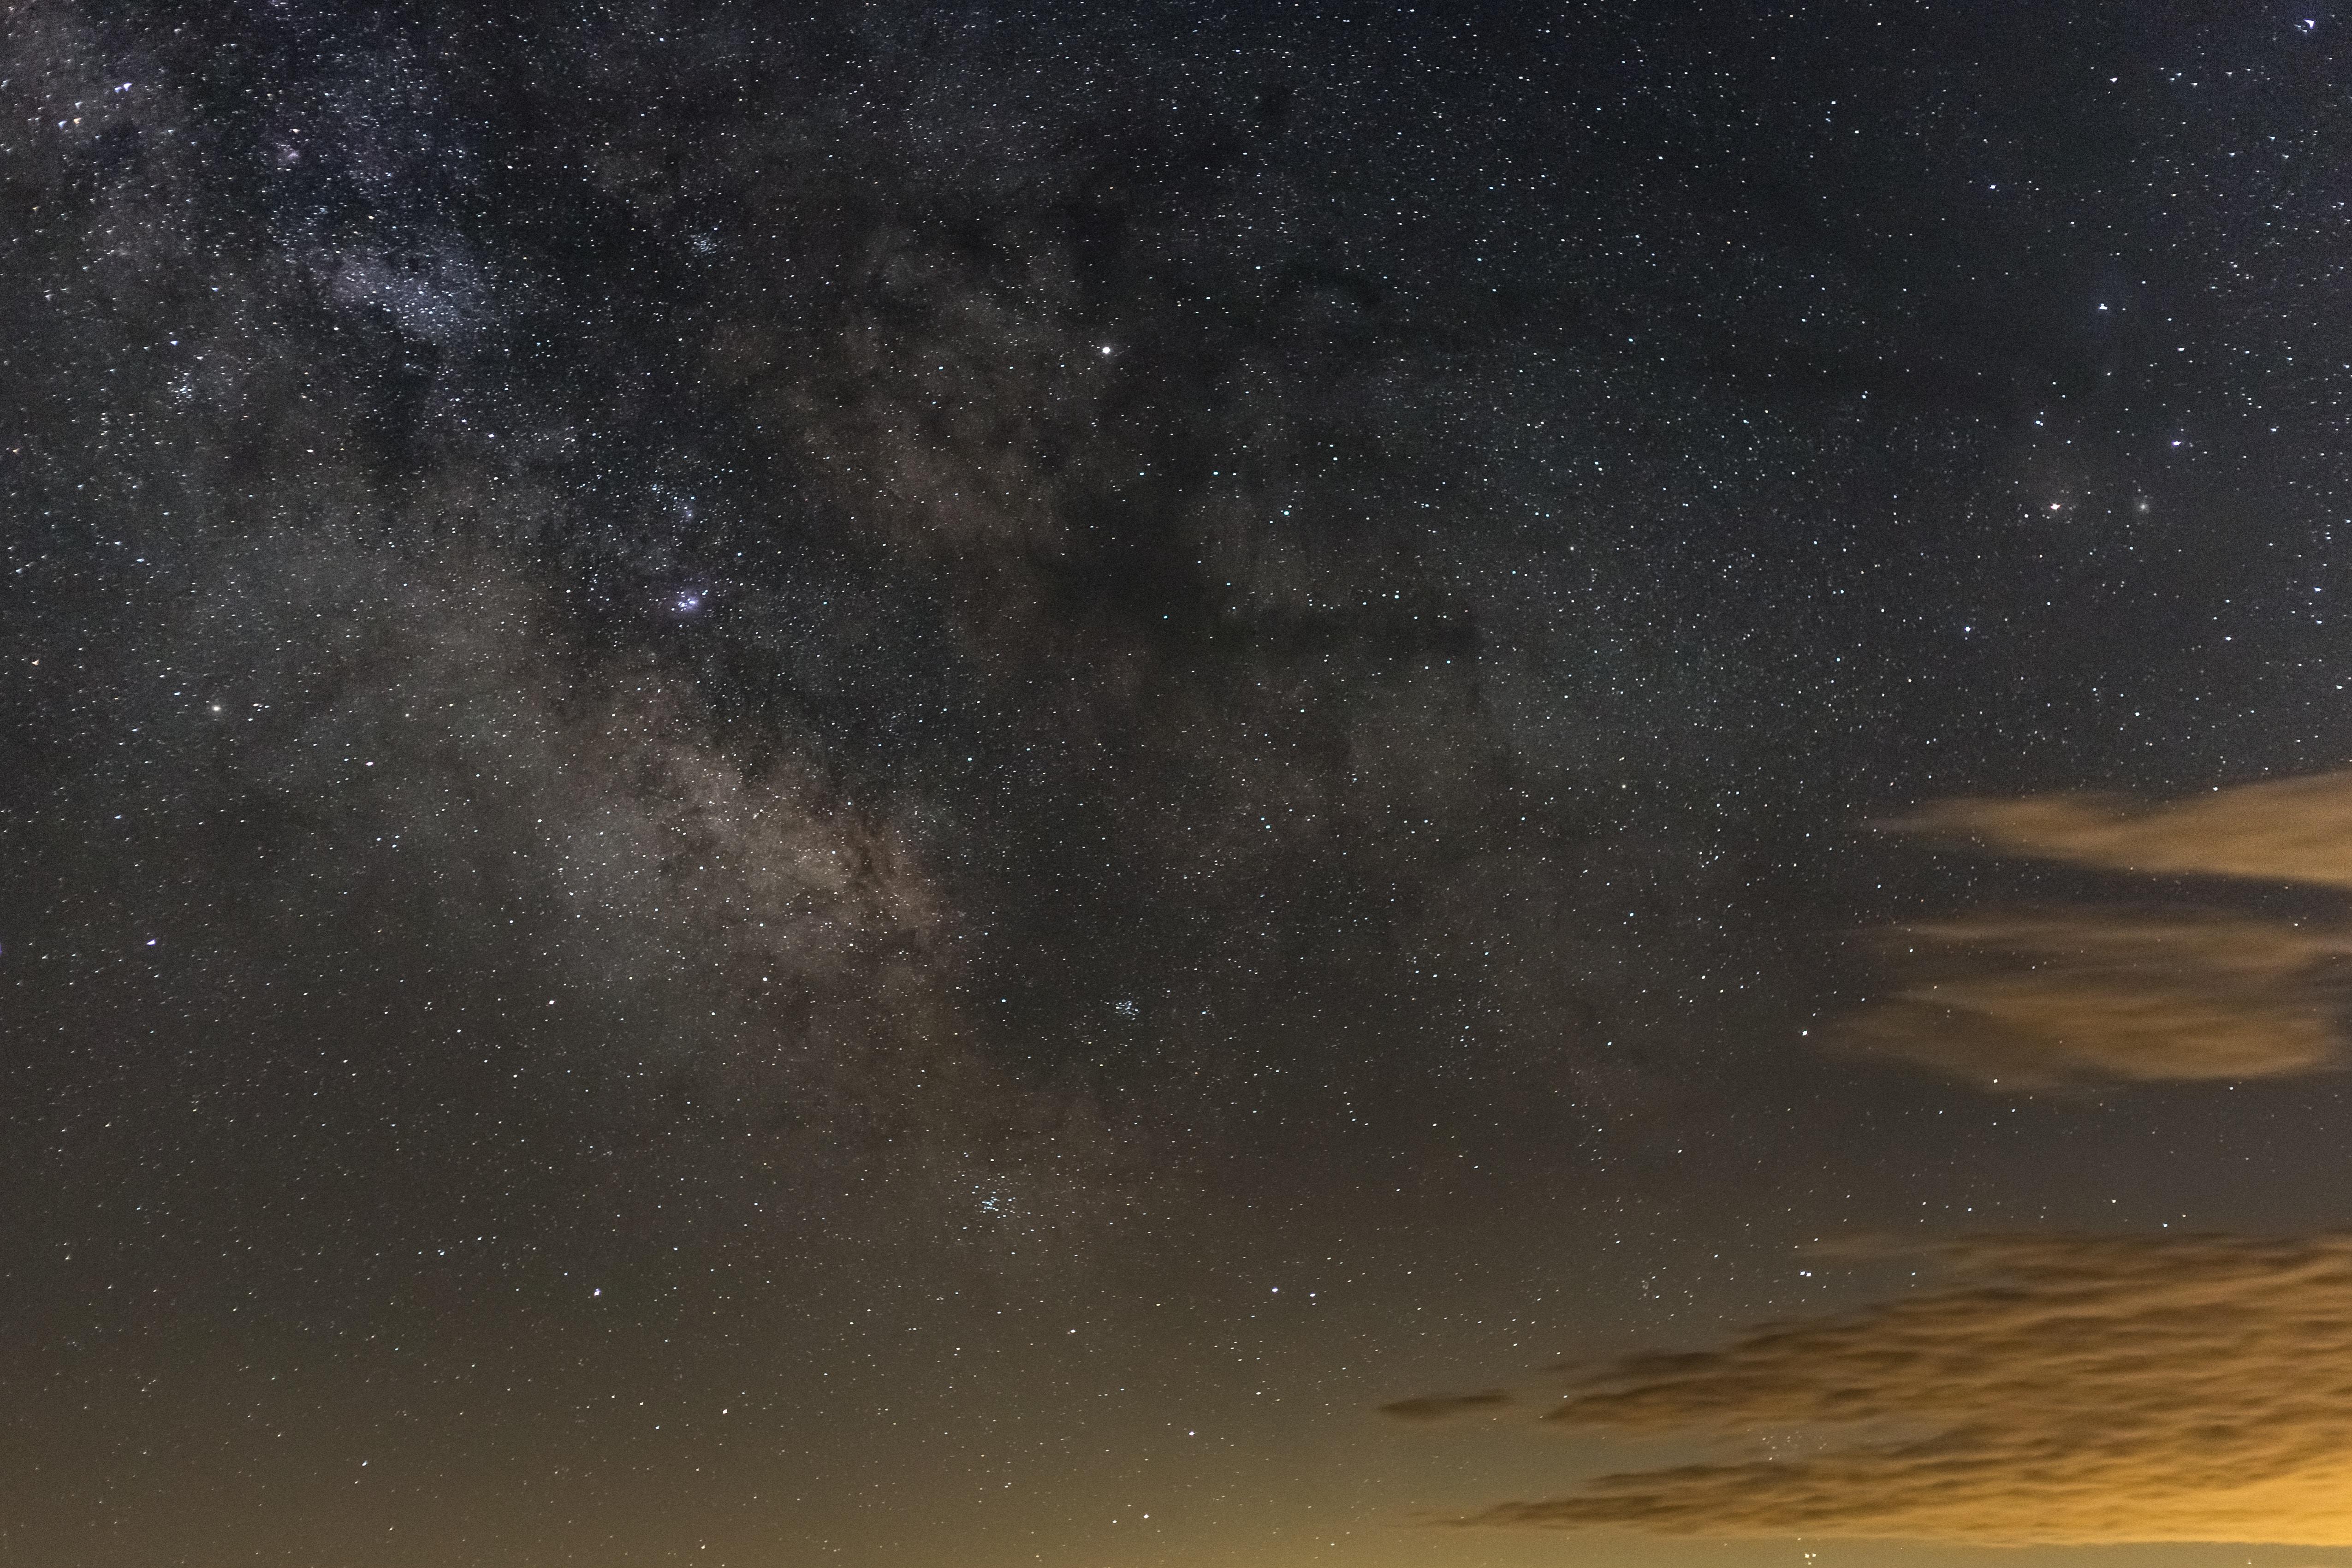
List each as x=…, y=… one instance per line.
x=893, y=784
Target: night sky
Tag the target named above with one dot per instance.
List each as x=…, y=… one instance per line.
x=1175, y=783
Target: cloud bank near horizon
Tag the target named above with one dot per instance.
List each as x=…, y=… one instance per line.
x=2057, y=1391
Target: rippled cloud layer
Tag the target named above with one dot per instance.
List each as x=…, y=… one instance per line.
x=2055, y=1391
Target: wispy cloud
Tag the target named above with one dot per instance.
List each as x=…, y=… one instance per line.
x=2100, y=994
x=1432, y=1407
x=2057, y=1389
x=2085, y=996
x=2288, y=830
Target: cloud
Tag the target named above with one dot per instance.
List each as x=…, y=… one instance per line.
x=1435, y=1407
x=2086, y=997
x=2058, y=1391
x=2094, y=996
x=2291, y=831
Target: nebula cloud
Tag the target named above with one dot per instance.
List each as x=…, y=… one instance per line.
x=2057, y=1391
x=2082, y=996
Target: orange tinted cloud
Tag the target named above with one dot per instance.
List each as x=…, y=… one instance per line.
x=2085, y=996
x=2291, y=831
x=2058, y=1391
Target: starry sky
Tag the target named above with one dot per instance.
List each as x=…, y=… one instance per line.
x=1175, y=784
